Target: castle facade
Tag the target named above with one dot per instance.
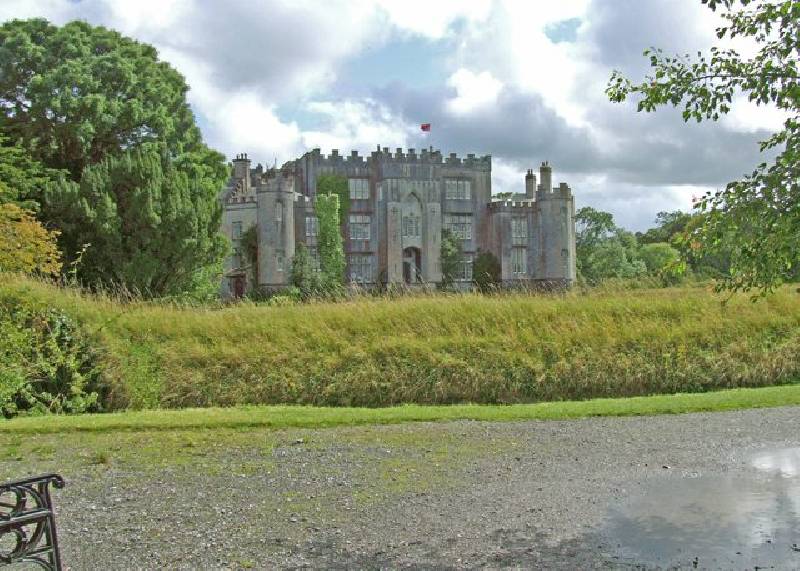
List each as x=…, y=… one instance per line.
x=399, y=203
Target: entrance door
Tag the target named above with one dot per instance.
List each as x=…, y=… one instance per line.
x=412, y=265
x=238, y=286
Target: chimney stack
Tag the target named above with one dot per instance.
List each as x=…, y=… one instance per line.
x=530, y=184
x=546, y=174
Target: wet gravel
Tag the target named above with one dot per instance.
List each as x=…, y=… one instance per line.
x=488, y=495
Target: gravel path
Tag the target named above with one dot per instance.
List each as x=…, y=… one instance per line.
x=421, y=496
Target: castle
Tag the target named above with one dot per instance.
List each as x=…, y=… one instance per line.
x=399, y=203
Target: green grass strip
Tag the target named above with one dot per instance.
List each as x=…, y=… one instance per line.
x=321, y=417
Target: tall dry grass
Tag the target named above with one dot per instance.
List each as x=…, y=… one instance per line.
x=433, y=348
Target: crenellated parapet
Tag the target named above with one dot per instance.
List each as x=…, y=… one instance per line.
x=562, y=192
x=514, y=206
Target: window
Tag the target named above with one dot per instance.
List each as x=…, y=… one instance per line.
x=279, y=261
x=313, y=253
x=359, y=188
x=359, y=227
x=361, y=268
x=236, y=259
x=236, y=230
x=457, y=189
x=460, y=225
x=312, y=230
x=519, y=261
x=411, y=225
x=278, y=212
x=519, y=231
x=464, y=269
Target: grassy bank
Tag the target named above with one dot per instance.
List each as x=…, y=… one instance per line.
x=326, y=417
x=433, y=350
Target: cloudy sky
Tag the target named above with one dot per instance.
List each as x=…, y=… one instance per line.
x=522, y=80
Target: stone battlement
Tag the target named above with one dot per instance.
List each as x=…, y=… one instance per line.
x=511, y=205
x=401, y=156
x=563, y=191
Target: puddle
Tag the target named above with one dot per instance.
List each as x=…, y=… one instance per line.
x=750, y=520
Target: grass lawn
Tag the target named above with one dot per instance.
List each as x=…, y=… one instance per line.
x=322, y=417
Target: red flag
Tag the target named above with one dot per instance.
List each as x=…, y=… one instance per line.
x=425, y=127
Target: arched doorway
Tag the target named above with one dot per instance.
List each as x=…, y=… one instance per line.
x=412, y=265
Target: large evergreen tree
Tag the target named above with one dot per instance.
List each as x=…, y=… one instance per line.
x=138, y=185
x=143, y=218
x=75, y=94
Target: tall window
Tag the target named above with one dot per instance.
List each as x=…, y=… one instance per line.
x=359, y=227
x=236, y=230
x=312, y=230
x=361, y=268
x=460, y=225
x=411, y=225
x=279, y=261
x=359, y=188
x=279, y=212
x=314, y=255
x=464, y=269
x=455, y=189
x=519, y=231
x=519, y=261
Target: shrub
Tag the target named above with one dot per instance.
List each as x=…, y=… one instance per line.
x=26, y=245
x=486, y=272
x=47, y=364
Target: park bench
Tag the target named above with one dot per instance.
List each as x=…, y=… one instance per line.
x=27, y=522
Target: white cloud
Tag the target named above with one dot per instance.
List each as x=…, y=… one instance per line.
x=473, y=90
x=357, y=125
x=507, y=177
x=748, y=117
x=433, y=19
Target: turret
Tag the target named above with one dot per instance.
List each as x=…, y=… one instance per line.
x=530, y=184
x=276, y=243
x=546, y=175
x=555, y=219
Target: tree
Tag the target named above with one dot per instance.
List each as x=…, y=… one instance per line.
x=756, y=219
x=486, y=271
x=450, y=256
x=149, y=221
x=611, y=259
x=22, y=179
x=658, y=256
x=668, y=226
x=75, y=94
x=136, y=181
x=592, y=227
x=604, y=250
x=25, y=245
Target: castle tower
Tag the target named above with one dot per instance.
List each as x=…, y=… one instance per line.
x=276, y=233
x=555, y=220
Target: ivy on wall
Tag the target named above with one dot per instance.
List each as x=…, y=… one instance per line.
x=329, y=240
x=249, y=244
x=336, y=184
